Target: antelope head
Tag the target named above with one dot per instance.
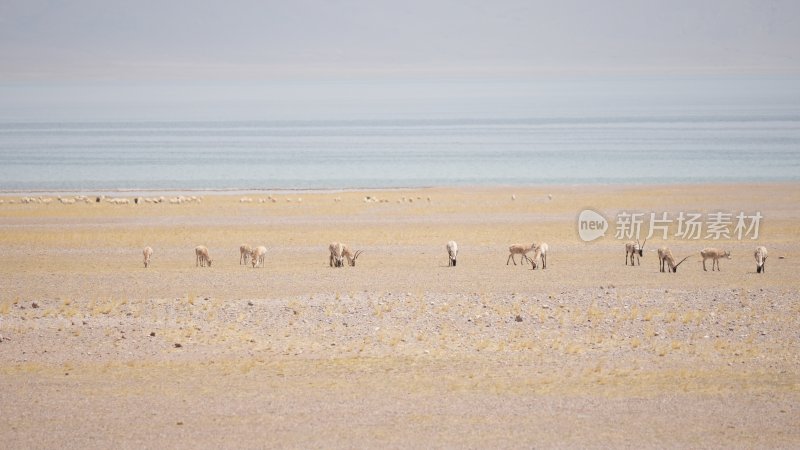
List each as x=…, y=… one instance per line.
x=726, y=254
x=675, y=267
x=352, y=261
x=640, y=247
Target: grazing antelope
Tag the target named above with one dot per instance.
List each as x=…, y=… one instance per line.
x=452, y=253
x=761, y=259
x=336, y=258
x=201, y=256
x=540, y=252
x=667, y=261
x=519, y=249
x=351, y=257
x=244, y=254
x=715, y=254
x=257, y=256
x=148, y=252
x=634, y=249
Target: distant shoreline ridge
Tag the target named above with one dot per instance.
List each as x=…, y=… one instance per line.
x=251, y=191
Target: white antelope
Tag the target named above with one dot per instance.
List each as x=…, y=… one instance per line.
x=148, y=252
x=336, y=258
x=258, y=255
x=761, y=259
x=351, y=257
x=715, y=254
x=244, y=254
x=452, y=253
x=540, y=252
x=519, y=249
x=667, y=261
x=202, y=259
x=634, y=249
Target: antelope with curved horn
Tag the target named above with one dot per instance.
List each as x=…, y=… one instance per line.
x=351, y=257
x=667, y=261
x=519, y=249
x=540, y=252
x=634, y=249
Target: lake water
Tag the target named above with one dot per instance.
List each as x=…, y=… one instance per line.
x=623, y=132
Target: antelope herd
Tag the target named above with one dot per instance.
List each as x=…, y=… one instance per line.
x=339, y=253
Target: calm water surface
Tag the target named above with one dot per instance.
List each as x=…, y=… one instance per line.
x=549, y=135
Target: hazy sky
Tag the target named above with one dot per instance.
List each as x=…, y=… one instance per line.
x=234, y=39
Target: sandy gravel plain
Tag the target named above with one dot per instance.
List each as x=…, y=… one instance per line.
x=400, y=351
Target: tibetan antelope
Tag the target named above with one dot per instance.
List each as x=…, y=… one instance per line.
x=761, y=259
x=634, y=249
x=540, y=252
x=351, y=257
x=452, y=253
x=519, y=249
x=147, y=253
x=336, y=258
x=258, y=255
x=244, y=254
x=667, y=261
x=715, y=254
x=202, y=258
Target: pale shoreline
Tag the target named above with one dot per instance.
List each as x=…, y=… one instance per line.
x=472, y=187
